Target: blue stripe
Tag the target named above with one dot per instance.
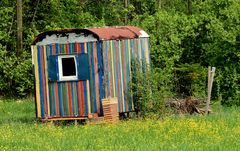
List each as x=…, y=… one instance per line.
x=57, y=46
x=60, y=48
x=52, y=98
x=93, y=79
x=59, y=85
x=84, y=83
x=40, y=81
x=108, y=72
x=132, y=50
x=82, y=48
x=70, y=48
x=100, y=74
x=149, y=51
x=137, y=52
x=102, y=69
x=50, y=50
x=73, y=47
x=51, y=88
x=60, y=99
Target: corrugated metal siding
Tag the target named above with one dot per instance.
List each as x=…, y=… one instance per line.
x=117, y=58
x=110, y=76
x=72, y=98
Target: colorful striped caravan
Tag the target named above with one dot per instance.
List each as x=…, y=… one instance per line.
x=76, y=68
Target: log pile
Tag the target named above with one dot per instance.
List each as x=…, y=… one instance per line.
x=187, y=106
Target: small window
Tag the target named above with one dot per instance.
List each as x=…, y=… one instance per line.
x=67, y=68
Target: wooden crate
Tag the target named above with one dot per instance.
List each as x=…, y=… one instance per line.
x=110, y=109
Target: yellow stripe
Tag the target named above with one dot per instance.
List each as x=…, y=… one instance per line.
x=88, y=90
x=35, y=57
x=46, y=78
x=129, y=55
x=146, y=51
x=88, y=94
x=114, y=93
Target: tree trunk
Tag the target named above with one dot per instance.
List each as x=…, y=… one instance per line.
x=19, y=28
x=190, y=7
x=126, y=15
x=159, y=4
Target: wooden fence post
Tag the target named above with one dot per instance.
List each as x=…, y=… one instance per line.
x=211, y=72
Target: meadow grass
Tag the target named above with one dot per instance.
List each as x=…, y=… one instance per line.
x=20, y=131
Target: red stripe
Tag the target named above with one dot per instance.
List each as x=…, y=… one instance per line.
x=53, y=49
x=66, y=48
x=77, y=47
x=80, y=48
x=79, y=97
x=70, y=98
x=82, y=98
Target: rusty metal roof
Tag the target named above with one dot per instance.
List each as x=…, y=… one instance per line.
x=103, y=33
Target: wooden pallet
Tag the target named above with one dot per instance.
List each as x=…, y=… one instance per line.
x=110, y=110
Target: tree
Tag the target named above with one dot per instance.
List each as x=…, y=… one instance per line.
x=19, y=27
x=189, y=7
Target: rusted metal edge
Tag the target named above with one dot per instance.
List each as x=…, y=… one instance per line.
x=102, y=33
x=63, y=118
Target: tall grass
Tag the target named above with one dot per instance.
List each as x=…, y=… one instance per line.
x=20, y=131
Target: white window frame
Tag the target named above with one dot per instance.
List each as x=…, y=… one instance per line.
x=66, y=78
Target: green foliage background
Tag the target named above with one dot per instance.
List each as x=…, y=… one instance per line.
x=184, y=40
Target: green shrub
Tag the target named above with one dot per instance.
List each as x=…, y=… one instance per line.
x=15, y=74
x=229, y=90
x=190, y=80
x=151, y=88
